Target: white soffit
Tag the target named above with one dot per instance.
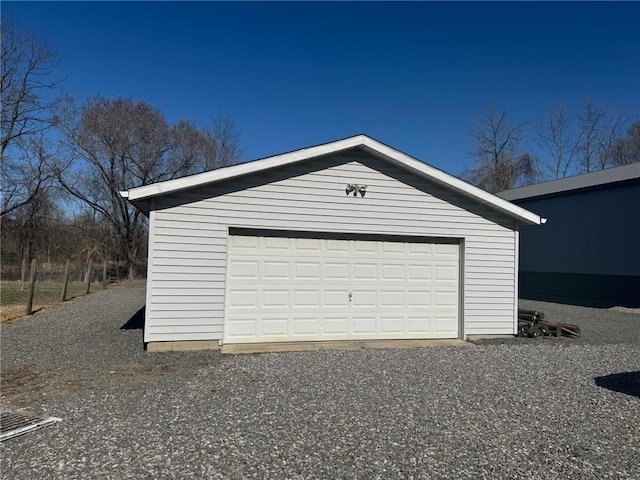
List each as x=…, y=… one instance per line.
x=139, y=194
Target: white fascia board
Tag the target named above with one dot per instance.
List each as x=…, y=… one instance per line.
x=376, y=147
x=242, y=169
x=453, y=182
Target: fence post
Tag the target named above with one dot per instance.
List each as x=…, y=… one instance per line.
x=23, y=273
x=87, y=277
x=65, y=281
x=32, y=286
x=104, y=275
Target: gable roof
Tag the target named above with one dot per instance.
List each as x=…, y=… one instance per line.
x=577, y=182
x=140, y=196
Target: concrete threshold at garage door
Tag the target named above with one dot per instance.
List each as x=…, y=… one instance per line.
x=242, y=348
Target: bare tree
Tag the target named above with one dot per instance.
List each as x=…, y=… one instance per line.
x=499, y=163
x=226, y=142
x=590, y=143
x=32, y=100
x=556, y=137
x=626, y=150
x=599, y=131
x=120, y=144
x=26, y=173
x=29, y=226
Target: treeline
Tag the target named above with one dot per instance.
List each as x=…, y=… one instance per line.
x=63, y=164
x=507, y=155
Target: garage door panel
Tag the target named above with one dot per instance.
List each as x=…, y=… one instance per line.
x=311, y=289
x=243, y=298
x=242, y=327
x=419, y=272
x=445, y=324
x=392, y=299
x=336, y=298
x=307, y=270
x=393, y=272
x=446, y=272
x=243, y=269
x=306, y=326
x=275, y=327
x=308, y=244
x=336, y=271
x=276, y=270
x=419, y=298
x=445, y=299
x=366, y=247
x=244, y=242
x=277, y=243
x=275, y=298
x=392, y=325
x=420, y=249
x=364, y=298
x=336, y=325
x=394, y=247
x=365, y=271
x=364, y=326
x=443, y=250
x=419, y=324
x=306, y=299
x=337, y=246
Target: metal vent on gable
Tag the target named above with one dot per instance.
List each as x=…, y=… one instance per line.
x=13, y=424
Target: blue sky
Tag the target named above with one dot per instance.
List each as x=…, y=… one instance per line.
x=412, y=75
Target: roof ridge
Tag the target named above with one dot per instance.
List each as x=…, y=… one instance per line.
x=140, y=194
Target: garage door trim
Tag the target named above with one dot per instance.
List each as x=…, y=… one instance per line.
x=407, y=310
x=376, y=237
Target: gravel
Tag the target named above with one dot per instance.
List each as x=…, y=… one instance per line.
x=527, y=408
x=598, y=326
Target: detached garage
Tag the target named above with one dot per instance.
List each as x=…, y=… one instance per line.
x=350, y=240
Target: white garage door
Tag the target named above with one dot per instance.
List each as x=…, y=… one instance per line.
x=311, y=289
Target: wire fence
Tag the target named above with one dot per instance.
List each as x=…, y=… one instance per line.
x=31, y=286
x=55, y=272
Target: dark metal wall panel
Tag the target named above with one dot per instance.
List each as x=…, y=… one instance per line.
x=581, y=289
x=593, y=231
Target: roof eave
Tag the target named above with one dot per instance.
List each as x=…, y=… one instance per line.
x=449, y=181
x=601, y=179
x=233, y=171
x=140, y=196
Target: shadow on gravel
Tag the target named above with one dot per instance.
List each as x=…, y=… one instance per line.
x=136, y=322
x=627, y=382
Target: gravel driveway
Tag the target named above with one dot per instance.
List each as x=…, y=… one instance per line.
x=519, y=408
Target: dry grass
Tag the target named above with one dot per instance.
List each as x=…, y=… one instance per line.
x=13, y=300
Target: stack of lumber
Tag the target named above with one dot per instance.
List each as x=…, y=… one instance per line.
x=531, y=323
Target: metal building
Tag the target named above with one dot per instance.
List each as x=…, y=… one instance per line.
x=589, y=250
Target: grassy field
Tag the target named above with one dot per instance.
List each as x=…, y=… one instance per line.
x=13, y=300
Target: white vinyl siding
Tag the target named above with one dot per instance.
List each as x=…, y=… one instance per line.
x=189, y=231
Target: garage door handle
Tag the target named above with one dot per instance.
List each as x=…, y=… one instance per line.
x=350, y=296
